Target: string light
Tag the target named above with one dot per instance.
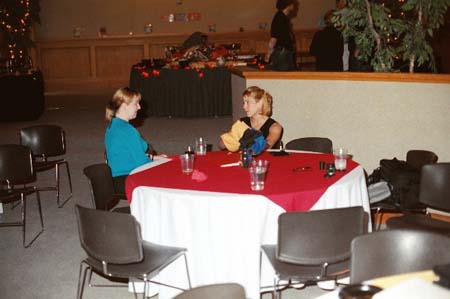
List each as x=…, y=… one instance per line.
x=16, y=18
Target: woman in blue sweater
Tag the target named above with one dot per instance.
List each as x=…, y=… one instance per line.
x=125, y=148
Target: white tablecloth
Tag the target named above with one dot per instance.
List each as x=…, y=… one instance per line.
x=223, y=232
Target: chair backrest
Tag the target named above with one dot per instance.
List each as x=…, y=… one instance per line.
x=44, y=140
x=102, y=186
x=16, y=164
x=312, y=144
x=319, y=236
x=392, y=252
x=215, y=291
x=419, y=158
x=435, y=186
x=110, y=237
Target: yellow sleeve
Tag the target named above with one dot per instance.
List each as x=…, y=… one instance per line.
x=232, y=137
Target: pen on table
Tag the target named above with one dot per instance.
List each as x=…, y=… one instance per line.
x=231, y=164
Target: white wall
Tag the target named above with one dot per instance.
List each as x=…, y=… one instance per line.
x=120, y=17
x=374, y=120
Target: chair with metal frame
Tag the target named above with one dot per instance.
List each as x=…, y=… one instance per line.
x=311, y=144
x=314, y=246
x=392, y=252
x=47, y=141
x=215, y=291
x=115, y=249
x=434, y=194
x=102, y=188
x=16, y=168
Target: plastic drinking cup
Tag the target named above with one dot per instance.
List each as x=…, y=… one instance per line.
x=187, y=163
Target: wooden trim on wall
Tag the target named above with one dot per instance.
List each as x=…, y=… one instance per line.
x=249, y=73
x=61, y=72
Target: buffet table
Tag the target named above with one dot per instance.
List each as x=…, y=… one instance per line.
x=222, y=223
x=183, y=93
x=22, y=95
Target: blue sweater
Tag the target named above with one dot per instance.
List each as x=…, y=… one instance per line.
x=125, y=148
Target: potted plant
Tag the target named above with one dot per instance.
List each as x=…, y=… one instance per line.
x=389, y=31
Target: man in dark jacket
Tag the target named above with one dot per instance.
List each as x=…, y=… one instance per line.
x=328, y=46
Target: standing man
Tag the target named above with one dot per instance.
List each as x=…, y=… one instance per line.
x=282, y=51
x=328, y=47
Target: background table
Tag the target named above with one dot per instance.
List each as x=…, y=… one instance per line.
x=223, y=231
x=184, y=93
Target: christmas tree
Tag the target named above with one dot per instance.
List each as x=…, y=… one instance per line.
x=16, y=20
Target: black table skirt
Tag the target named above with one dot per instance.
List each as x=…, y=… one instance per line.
x=22, y=97
x=183, y=93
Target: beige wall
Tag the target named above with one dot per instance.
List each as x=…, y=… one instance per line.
x=120, y=17
x=374, y=120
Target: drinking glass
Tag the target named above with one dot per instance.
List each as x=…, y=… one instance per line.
x=258, y=170
x=187, y=163
x=200, y=146
x=340, y=158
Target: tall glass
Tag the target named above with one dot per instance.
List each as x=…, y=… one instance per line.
x=200, y=146
x=257, y=171
x=187, y=163
x=340, y=159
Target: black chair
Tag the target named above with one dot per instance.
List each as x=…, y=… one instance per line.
x=434, y=194
x=314, y=246
x=215, y=291
x=404, y=184
x=312, y=144
x=102, y=188
x=16, y=168
x=392, y=252
x=47, y=141
x=115, y=249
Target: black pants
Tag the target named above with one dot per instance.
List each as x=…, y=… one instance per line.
x=283, y=60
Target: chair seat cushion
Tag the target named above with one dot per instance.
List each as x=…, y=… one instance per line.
x=419, y=222
x=156, y=257
x=11, y=195
x=303, y=273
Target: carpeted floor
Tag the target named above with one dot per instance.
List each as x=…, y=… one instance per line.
x=49, y=269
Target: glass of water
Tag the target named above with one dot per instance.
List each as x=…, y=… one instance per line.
x=200, y=146
x=258, y=170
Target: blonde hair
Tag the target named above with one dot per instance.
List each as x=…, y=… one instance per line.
x=122, y=95
x=259, y=94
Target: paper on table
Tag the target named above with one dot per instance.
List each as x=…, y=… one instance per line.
x=388, y=281
x=157, y=160
x=414, y=288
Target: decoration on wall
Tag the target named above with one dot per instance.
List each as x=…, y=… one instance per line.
x=16, y=19
x=181, y=17
x=262, y=26
x=77, y=31
x=194, y=16
x=102, y=31
x=148, y=28
x=179, y=2
x=212, y=27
